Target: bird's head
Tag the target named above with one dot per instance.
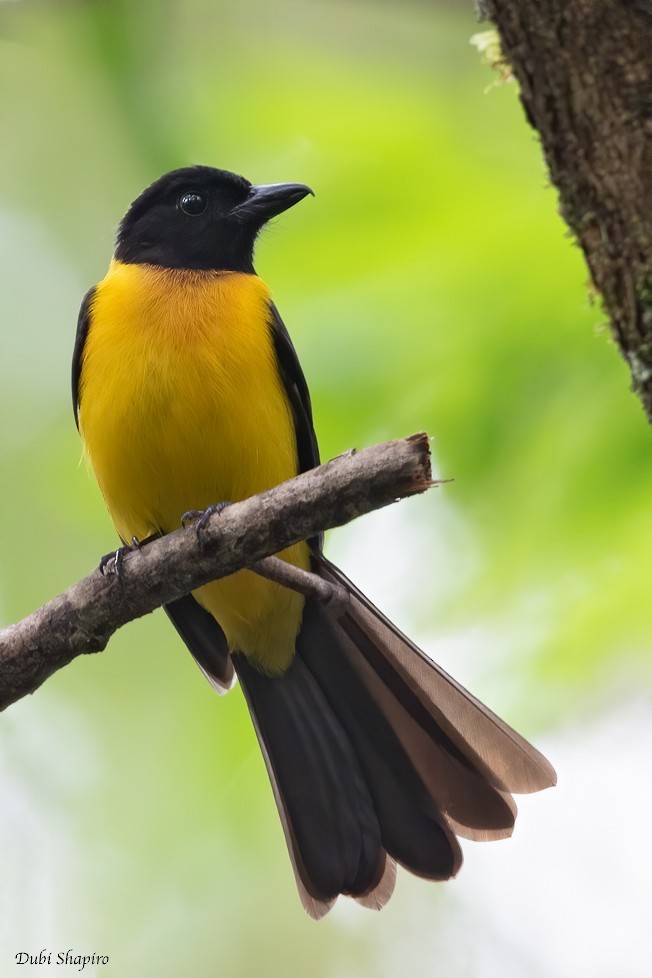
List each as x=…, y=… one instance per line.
x=202, y=218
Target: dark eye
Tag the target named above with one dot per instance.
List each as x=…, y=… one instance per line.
x=193, y=203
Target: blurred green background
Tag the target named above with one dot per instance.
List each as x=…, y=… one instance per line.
x=429, y=285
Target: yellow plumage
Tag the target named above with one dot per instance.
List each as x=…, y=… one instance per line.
x=182, y=406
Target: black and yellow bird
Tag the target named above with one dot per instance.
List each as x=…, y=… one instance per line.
x=187, y=391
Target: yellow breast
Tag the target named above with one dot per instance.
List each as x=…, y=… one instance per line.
x=181, y=406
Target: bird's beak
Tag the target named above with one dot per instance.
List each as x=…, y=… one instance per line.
x=267, y=200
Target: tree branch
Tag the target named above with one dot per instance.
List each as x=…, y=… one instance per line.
x=585, y=72
x=84, y=617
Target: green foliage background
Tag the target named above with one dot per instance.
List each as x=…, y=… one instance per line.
x=430, y=285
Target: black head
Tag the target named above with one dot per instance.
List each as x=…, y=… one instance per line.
x=199, y=217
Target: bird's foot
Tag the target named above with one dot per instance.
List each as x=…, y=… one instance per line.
x=112, y=562
x=200, y=517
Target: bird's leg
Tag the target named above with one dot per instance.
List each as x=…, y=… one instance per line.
x=331, y=596
x=111, y=563
x=200, y=517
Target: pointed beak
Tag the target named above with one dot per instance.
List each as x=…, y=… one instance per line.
x=267, y=200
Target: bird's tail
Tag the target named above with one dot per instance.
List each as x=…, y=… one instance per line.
x=377, y=756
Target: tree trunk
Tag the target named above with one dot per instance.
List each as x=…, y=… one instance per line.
x=585, y=72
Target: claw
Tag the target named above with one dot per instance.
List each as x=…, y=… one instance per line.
x=200, y=517
x=190, y=516
x=347, y=454
x=112, y=562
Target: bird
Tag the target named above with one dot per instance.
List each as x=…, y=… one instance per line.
x=188, y=393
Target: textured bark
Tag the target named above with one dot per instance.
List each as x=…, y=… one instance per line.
x=84, y=617
x=585, y=72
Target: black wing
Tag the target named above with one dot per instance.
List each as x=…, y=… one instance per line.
x=205, y=640
x=83, y=323
x=297, y=391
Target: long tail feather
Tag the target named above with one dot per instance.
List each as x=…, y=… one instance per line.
x=507, y=759
x=377, y=756
x=327, y=813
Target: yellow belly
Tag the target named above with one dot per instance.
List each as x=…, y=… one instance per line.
x=182, y=406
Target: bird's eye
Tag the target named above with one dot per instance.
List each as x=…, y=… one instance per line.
x=193, y=203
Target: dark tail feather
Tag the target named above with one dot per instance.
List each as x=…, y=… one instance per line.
x=412, y=828
x=376, y=756
x=328, y=816
x=441, y=706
